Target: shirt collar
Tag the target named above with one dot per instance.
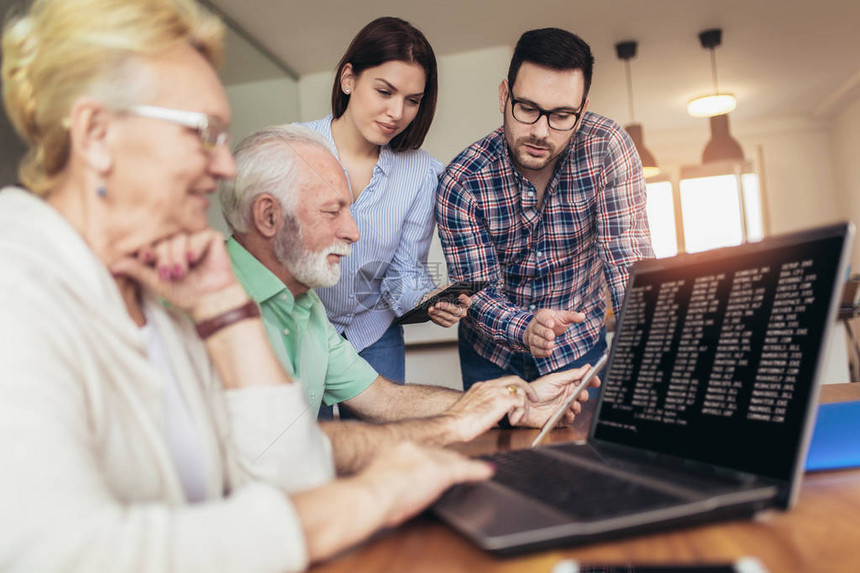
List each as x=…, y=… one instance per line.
x=386, y=157
x=260, y=283
x=505, y=156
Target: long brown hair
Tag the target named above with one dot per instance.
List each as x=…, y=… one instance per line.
x=392, y=39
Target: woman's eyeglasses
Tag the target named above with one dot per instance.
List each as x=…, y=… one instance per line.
x=211, y=130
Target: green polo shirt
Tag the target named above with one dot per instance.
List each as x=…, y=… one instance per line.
x=303, y=338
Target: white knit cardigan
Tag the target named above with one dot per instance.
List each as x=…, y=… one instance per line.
x=86, y=481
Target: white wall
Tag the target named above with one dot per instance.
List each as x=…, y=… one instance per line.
x=255, y=105
x=261, y=103
x=315, y=95
x=468, y=104
x=434, y=366
x=845, y=146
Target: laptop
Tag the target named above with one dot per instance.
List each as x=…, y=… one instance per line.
x=705, y=411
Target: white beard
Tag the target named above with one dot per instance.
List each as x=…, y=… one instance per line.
x=310, y=268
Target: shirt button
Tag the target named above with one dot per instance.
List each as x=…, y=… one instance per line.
x=284, y=296
x=539, y=253
x=286, y=331
x=532, y=307
x=531, y=193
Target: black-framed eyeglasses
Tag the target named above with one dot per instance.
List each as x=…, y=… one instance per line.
x=558, y=119
x=211, y=130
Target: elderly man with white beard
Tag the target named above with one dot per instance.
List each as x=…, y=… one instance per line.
x=289, y=212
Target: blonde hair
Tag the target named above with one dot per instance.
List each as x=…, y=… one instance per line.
x=60, y=50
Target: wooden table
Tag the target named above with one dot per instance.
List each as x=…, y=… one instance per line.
x=820, y=534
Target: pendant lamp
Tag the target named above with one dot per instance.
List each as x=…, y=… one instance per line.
x=722, y=146
x=627, y=51
x=716, y=103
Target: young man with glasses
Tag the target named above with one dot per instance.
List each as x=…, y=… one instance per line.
x=551, y=209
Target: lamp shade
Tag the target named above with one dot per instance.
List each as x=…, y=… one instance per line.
x=649, y=164
x=722, y=147
x=711, y=105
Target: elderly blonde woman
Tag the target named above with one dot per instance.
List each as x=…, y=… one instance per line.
x=137, y=435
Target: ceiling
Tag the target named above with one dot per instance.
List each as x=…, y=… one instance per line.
x=781, y=58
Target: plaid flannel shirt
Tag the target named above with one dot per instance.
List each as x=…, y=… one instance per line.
x=591, y=228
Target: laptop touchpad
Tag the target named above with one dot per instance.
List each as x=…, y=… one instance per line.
x=495, y=510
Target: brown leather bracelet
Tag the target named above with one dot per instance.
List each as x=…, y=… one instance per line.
x=212, y=325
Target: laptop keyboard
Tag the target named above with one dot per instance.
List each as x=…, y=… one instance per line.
x=576, y=490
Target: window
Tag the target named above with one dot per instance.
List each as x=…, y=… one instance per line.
x=711, y=212
x=718, y=206
x=661, y=219
x=752, y=206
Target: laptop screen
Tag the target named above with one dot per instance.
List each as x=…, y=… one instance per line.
x=715, y=353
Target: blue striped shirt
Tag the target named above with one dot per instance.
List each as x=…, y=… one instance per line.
x=387, y=271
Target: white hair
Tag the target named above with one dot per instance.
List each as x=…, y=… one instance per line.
x=266, y=162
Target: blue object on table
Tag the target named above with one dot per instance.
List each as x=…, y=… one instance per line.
x=836, y=439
